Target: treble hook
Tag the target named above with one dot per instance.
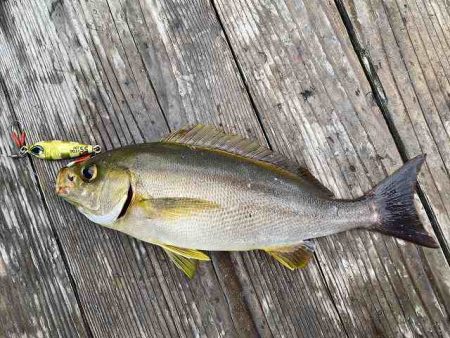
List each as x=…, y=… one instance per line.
x=17, y=134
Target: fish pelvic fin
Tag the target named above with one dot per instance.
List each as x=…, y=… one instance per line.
x=293, y=257
x=394, y=203
x=187, y=265
x=188, y=253
x=184, y=259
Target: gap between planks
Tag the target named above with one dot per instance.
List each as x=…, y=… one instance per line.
x=60, y=248
x=255, y=110
x=39, y=185
x=4, y=88
x=130, y=109
x=380, y=99
x=356, y=65
x=258, y=116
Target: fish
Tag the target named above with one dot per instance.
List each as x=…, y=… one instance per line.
x=201, y=189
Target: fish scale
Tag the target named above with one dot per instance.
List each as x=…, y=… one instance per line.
x=279, y=206
x=201, y=189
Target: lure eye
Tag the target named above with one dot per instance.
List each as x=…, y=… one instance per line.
x=89, y=172
x=37, y=150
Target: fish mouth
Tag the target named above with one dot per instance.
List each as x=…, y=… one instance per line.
x=61, y=186
x=127, y=203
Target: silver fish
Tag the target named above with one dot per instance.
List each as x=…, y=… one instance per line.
x=202, y=189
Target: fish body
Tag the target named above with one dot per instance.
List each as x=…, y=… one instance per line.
x=201, y=189
x=251, y=207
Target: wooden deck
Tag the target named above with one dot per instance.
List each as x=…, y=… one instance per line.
x=350, y=89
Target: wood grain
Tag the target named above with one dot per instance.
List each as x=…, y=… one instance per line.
x=36, y=295
x=206, y=85
x=118, y=72
x=407, y=43
x=315, y=103
x=123, y=283
x=71, y=77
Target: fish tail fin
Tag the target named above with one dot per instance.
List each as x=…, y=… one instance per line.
x=394, y=201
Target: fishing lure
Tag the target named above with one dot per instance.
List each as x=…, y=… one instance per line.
x=51, y=150
x=59, y=150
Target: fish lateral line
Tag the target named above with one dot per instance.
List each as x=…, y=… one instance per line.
x=283, y=213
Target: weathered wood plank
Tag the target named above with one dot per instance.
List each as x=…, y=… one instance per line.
x=91, y=66
x=316, y=105
x=36, y=295
x=192, y=68
x=71, y=76
x=96, y=75
x=408, y=45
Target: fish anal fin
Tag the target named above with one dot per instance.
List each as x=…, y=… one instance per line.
x=293, y=257
x=187, y=265
x=173, y=208
x=188, y=253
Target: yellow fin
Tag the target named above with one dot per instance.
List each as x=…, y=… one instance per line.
x=209, y=137
x=188, y=253
x=293, y=257
x=187, y=265
x=172, y=208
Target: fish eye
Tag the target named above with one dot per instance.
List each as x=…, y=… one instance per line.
x=89, y=172
x=37, y=150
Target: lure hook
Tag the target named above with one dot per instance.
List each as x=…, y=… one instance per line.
x=79, y=160
x=17, y=134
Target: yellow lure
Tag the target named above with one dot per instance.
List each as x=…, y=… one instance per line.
x=59, y=150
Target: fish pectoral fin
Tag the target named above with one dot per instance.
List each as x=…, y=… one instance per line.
x=187, y=265
x=173, y=208
x=293, y=257
x=187, y=253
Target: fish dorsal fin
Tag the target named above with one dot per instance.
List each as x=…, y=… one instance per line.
x=307, y=176
x=212, y=138
x=293, y=257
